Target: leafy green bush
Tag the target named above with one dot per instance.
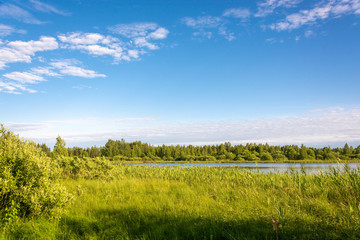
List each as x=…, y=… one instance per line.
x=88, y=168
x=28, y=184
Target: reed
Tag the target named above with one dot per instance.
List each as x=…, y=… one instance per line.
x=140, y=202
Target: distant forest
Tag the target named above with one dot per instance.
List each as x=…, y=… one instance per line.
x=119, y=150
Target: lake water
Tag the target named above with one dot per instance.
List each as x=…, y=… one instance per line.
x=260, y=167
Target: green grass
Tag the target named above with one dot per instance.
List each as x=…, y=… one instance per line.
x=203, y=203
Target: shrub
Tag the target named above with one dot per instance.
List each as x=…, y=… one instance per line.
x=266, y=156
x=88, y=168
x=28, y=184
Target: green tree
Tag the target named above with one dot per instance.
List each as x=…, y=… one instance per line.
x=59, y=148
x=347, y=150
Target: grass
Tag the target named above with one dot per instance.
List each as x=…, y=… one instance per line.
x=203, y=203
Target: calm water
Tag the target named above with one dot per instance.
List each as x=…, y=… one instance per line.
x=259, y=167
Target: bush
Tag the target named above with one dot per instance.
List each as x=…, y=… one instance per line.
x=266, y=156
x=88, y=168
x=28, y=184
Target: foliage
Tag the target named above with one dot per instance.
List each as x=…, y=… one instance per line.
x=28, y=185
x=84, y=167
x=205, y=203
x=137, y=151
x=59, y=148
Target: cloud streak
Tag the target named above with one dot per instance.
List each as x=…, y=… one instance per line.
x=322, y=11
x=321, y=127
x=44, y=7
x=9, y=10
x=6, y=30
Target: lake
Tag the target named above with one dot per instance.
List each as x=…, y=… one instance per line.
x=259, y=167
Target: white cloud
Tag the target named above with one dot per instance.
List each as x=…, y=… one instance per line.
x=141, y=35
x=24, y=77
x=67, y=67
x=99, y=45
x=6, y=30
x=30, y=47
x=237, y=13
x=203, y=22
x=227, y=34
x=133, y=53
x=134, y=30
x=143, y=42
x=94, y=44
x=205, y=25
x=45, y=71
x=14, y=88
x=11, y=11
x=17, y=81
x=160, y=33
x=268, y=6
x=205, y=34
x=44, y=7
x=333, y=8
x=20, y=51
x=78, y=38
x=309, y=33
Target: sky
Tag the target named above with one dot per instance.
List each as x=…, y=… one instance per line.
x=181, y=72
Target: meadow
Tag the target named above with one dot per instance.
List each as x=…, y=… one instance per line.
x=63, y=197
x=136, y=202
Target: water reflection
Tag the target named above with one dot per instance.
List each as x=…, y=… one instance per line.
x=260, y=167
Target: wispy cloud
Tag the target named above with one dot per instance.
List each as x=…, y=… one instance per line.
x=203, y=22
x=6, y=30
x=141, y=34
x=24, y=77
x=133, y=30
x=323, y=127
x=139, y=37
x=94, y=44
x=274, y=40
x=14, y=88
x=309, y=33
x=68, y=67
x=17, y=82
x=237, y=13
x=47, y=71
x=205, y=25
x=81, y=87
x=9, y=10
x=21, y=51
x=322, y=11
x=45, y=7
x=268, y=6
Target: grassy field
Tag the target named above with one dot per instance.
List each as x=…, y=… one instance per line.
x=136, y=202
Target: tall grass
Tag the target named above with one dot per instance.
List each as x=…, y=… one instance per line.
x=204, y=203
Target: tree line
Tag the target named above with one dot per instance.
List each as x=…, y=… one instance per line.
x=119, y=150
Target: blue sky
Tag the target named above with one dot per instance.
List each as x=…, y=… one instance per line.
x=181, y=72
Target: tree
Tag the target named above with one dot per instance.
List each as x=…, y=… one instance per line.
x=45, y=149
x=59, y=148
x=347, y=149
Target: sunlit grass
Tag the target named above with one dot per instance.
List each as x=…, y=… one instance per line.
x=204, y=203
